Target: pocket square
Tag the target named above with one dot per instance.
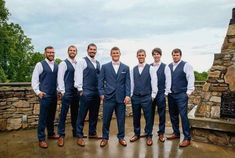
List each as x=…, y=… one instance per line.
x=123, y=72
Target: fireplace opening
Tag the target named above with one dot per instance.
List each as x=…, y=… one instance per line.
x=227, y=109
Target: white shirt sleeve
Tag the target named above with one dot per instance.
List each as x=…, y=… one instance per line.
x=35, y=77
x=78, y=75
x=188, y=69
x=132, y=81
x=60, y=78
x=154, y=81
x=167, y=72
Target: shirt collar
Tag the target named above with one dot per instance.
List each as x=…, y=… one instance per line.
x=116, y=63
x=176, y=63
x=141, y=65
x=157, y=63
x=91, y=59
x=50, y=62
x=73, y=61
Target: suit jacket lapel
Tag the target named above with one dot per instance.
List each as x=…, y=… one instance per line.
x=119, y=70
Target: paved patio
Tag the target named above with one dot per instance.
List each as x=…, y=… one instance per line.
x=23, y=144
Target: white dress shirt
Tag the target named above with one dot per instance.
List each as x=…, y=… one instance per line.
x=188, y=69
x=153, y=79
x=78, y=75
x=167, y=73
x=61, y=72
x=36, y=73
x=116, y=66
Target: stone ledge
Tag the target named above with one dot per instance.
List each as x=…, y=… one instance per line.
x=212, y=124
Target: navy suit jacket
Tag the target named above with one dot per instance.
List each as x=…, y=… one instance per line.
x=112, y=85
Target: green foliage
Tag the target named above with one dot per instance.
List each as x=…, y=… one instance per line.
x=3, y=11
x=200, y=76
x=17, y=59
x=57, y=60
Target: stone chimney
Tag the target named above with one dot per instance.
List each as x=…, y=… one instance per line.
x=221, y=77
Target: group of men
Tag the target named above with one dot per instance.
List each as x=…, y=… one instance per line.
x=84, y=84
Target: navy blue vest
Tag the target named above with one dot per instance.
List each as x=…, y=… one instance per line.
x=48, y=79
x=69, y=78
x=179, y=82
x=90, y=77
x=161, y=78
x=142, y=82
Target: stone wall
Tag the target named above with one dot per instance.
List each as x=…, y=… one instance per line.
x=19, y=106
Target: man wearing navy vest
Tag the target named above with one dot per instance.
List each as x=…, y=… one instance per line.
x=114, y=90
x=163, y=74
x=141, y=97
x=182, y=86
x=69, y=93
x=86, y=81
x=44, y=81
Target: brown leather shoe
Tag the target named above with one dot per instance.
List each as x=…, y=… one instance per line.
x=134, y=138
x=60, y=142
x=55, y=136
x=81, y=142
x=161, y=138
x=43, y=144
x=149, y=141
x=173, y=136
x=103, y=143
x=184, y=143
x=122, y=142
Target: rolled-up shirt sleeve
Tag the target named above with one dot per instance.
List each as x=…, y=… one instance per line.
x=167, y=72
x=154, y=81
x=188, y=69
x=35, y=77
x=60, y=78
x=78, y=75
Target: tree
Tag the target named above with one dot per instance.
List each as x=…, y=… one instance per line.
x=3, y=12
x=200, y=76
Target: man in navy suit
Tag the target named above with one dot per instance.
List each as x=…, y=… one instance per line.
x=182, y=86
x=114, y=90
x=141, y=97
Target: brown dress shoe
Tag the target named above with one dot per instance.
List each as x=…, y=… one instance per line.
x=161, y=138
x=184, y=143
x=122, y=142
x=149, y=141
x=55, y=136
x=173, y=136
x=60, y=142
x=103, y=142
x=43, y=144
x=81, y=142
x=134, y=138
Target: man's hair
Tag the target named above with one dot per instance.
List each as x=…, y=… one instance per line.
x=141, y=51
x=72, y=46
x=90, y=45
x=115, y=48
x=157, y=50
x=48, y=47
x=176, y=50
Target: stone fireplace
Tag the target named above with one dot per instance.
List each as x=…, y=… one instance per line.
x=212, y=120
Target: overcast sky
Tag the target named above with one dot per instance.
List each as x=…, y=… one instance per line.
x=198, y=27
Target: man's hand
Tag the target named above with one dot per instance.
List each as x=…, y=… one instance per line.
x=60, y=95
x=127, y=100
x=41, y=95
x=101, y=97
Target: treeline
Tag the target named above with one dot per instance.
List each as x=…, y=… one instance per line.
x=17, y=58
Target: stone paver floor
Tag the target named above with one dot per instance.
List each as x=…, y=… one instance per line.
x=23, y=144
